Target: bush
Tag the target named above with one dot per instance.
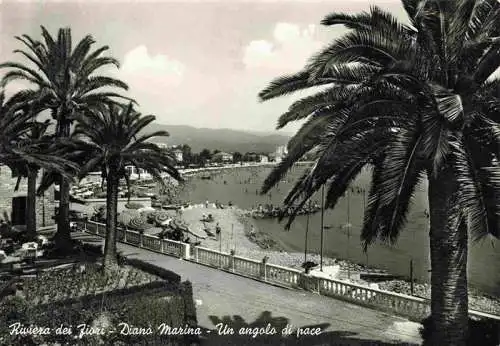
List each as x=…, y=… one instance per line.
x=165, y=274
x=134, y=205
x=481, y=332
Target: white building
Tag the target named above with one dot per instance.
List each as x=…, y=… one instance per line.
x=264, y=159
x=135, y=174
x=280, y=153
x=178, y=155
x=223, y=157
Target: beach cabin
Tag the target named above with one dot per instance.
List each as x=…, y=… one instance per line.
x=13, y=203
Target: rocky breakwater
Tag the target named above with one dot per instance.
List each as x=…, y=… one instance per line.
x=477, y=300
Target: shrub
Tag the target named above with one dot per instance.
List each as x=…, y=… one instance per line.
x=145, y=306
x=134, y=205
x=165, y=274
x=481, y=332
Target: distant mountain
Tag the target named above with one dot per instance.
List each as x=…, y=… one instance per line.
x=221, y=139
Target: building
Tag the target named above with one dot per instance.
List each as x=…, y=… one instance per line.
x=135, y=174
x=13, y=203
x=280, y=153
x=178, y=155
x=222, y=157
x=264, y=159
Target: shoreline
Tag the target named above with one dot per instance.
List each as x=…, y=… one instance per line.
x=248, y=241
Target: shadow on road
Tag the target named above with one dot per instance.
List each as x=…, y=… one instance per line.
x=243, y=333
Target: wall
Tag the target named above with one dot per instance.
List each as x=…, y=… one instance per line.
x=7, y=185
x=89, y=208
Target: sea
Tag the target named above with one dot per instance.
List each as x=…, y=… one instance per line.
x=241, y=186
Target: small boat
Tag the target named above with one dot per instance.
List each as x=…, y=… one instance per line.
x=206, y=177
x=170, y=207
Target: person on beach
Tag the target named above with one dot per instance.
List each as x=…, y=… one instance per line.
x=217, y=231
x=206, y=204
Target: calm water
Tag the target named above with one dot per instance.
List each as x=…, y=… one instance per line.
x=240, y=186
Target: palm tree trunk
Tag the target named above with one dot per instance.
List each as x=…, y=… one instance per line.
x=112, y=183
x=63, y=235
x=448, y=246
x=31, y=205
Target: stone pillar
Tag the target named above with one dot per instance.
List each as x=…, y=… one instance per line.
x=231, y=260
x=187, y=251
x=263, y=264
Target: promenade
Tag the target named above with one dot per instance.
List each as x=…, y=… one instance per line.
x=242, y=302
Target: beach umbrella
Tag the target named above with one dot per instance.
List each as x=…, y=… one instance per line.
x=161, y=216
x=179, y=224
x=127, y=215
x=139, y=224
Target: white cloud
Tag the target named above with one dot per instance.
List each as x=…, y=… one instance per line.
x=149, y=74
x=289, y=49
x=138, y=60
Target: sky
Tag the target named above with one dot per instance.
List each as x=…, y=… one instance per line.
x=198, y=63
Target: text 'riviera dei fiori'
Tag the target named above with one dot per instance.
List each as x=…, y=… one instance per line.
x=82, y=330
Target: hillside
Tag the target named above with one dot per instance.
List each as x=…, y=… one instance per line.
x=222, y=139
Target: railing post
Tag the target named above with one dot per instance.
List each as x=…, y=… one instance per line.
x=162, y=245
x=125, y=231
x=187, y=251
x=302, y=282
x=231, y=260
x=263, y=270
x=196, y=254
x=85, y=226
x=96, y=228
x=141, y=240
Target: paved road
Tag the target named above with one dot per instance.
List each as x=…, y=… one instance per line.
x=241, y=302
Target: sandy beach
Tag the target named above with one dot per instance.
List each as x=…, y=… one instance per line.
x=239, y=233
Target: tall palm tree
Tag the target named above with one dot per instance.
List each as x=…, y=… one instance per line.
x=413, y=102
x=113, y=138
x=65, y=82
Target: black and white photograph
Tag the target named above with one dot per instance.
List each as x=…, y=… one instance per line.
x=250, y=172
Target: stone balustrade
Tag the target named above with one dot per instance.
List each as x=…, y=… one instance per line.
x=413, y=308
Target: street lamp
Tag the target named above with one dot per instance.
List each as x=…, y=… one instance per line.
x=307, y=231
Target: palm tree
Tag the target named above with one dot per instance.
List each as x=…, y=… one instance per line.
x=412, y=102
x=25, y=150
x=65, y=83
x=113, y=138
x=36, y=141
